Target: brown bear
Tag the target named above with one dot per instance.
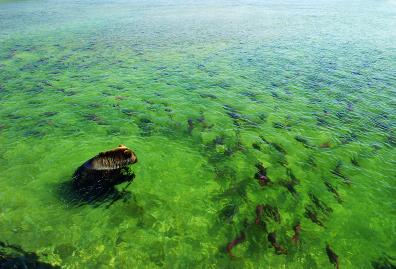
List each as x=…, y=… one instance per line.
x=105, y=170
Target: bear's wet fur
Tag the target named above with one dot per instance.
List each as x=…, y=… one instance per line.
x=105, y=169
x=95, y=179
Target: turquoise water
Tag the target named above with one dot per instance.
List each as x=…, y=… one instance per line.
x=202, y=92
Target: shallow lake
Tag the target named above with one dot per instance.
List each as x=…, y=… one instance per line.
x=202, y=91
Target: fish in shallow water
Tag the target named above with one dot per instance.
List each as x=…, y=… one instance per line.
x=384, y=263
x=278, y=248
x=191, y=125
x=337, y=172
x=278, y=147
x=312, y=215
x=333, y=258
x=297, y=232
x=259, y=214
x=261, y=175
x=320, y=204
x=272, y=212
x=256, y=146
x=289, y=185
x=292, y=176
x=239, y=239
x=303, y=140
x=228, y=212
x=334, y=191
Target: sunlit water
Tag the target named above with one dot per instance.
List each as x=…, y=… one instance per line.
x=202, y=91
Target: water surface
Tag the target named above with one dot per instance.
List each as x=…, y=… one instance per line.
x=202, y=91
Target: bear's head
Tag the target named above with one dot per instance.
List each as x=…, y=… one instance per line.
x=113, y=159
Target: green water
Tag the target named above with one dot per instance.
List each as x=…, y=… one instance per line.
x=301, y=86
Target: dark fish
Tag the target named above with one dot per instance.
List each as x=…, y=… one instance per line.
x=229, y=108
x=278, y=248
x=391, y=140
x=290, y=187
x=272, y=238
x=239, y=239
x=263, y=179
x=354, y=162
x=384, y=263
x=272, y=212
x=228, y=213
x=309, y=213
x=49, y=113
x=208, y=95
x=278, y=147
x=256, y=146
x=337, y=172
x=350, y=106
x=319, y=204
x=219, y=140
x=292, y=176
x=259, y=213
x=333, y=190
x=333, y=258
x=261, y=168
x=275, y=95
x=95, y=118
x=232, y=112
x=261, y=175
x=281, y=159
x=348, y=138
x=234, y=115
x=297, y=232
x=264, y=140
x=321, y=121
x=191, y=126
x=300, y=139
x=278, y=125
x=311, y=161
x=303, y=141
x=259, y=217
x=325, y=145
x=201, y=119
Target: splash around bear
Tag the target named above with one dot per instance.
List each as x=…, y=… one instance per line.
x=105, y=170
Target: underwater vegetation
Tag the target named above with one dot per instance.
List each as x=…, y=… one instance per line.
x=265, y=134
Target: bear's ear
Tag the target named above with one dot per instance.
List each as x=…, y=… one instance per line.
x=128, y=153
x=121, y=146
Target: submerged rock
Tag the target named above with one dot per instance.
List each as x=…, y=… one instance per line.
x=105, y=169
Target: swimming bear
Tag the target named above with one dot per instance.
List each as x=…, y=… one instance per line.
x=105, y=170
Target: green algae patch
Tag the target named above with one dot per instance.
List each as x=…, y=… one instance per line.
x=244, y=129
